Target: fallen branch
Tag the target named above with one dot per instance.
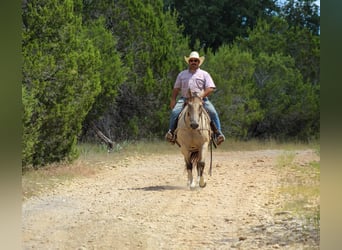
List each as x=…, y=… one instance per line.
x=104, y=138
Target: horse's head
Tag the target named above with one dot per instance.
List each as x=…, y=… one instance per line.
x=195, y=108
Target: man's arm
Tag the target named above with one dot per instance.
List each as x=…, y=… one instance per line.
x=174, y=95
x=207, y=92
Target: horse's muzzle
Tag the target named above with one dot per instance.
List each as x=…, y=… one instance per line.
x=194, y=125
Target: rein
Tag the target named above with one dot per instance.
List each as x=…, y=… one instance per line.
x=211, y=156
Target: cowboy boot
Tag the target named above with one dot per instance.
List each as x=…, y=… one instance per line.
x=218, y=137
x=170, y=136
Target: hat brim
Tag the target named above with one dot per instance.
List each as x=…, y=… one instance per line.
x=201, y=59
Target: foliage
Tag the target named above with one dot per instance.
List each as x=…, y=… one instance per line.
x=30, y=130
x=60, y=79
x=232, y=71
x=304, y=47
x=112, y=71
x=215, y=23
x=114, y=63
x=277, y=36
x=286, y=76
x=286, y=101
x=302, y=14
x=149, y=43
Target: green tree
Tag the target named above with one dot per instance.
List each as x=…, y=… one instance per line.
x=30, y=130
x=287, y=78
x=219, y=22
x=302, y=14
x=150, y=45
x=60, y=79
x=278, y=36
x=267, y=36
x=232, y=71
x=112, y=71
x=289, y=105
x=304, y=47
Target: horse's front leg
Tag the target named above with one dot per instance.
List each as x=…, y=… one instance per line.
x=200, y=178
x=189, y=170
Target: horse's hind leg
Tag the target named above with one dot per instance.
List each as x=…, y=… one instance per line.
x=200, y=169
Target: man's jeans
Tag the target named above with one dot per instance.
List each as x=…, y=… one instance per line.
x=207, y=105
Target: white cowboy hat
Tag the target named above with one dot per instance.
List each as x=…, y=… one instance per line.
x=194, y=54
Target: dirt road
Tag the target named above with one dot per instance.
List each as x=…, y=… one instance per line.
x=143, y=202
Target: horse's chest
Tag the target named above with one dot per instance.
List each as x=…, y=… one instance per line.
x=192, y=139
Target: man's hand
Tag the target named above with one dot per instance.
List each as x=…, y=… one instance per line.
x=207, y=92
x=175, y=92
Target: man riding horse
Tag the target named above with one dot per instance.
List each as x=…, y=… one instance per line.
x=197, y=81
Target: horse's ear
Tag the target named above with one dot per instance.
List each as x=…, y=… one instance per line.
x=189, y=93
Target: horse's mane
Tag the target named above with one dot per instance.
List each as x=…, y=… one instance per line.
x=194, y=94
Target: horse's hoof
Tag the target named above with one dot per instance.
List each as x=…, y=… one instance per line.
x=203, y=185
x=202, y=182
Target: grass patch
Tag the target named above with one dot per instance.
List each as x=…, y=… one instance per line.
x=252, y=145
x=300, y=189
x=286, y=159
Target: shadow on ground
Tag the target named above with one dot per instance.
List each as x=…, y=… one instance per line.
x=159, y=188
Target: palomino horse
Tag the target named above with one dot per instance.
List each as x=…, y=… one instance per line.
x=193, y=136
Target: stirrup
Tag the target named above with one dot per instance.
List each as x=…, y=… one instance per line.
x=219, y=139
x=170, y=137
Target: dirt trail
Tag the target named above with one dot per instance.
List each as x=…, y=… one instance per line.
x=143, y=203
